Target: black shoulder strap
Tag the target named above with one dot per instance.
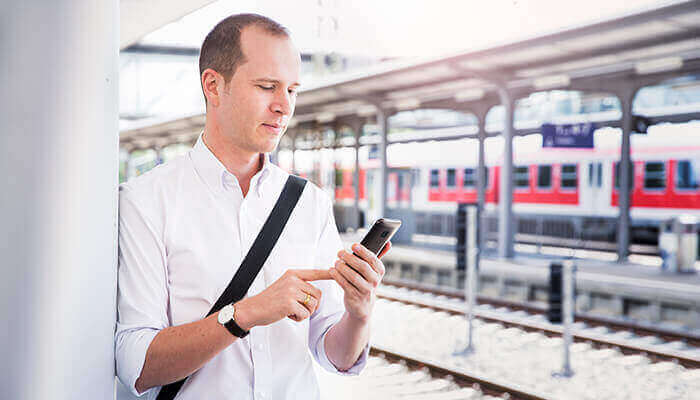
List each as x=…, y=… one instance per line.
x=254, y=260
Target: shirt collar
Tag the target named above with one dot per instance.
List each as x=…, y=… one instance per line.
x=215, y=174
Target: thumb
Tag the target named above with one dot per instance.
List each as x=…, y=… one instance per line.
x=313, y=274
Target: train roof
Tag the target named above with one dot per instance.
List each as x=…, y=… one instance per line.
x=661, y=141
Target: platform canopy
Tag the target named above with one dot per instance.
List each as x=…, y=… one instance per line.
x=645, y=48
x=138, y=18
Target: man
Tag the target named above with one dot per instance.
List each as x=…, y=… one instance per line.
x=186, y=226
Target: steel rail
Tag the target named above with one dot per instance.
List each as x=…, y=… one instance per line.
x=599, y=341
x=462, y=378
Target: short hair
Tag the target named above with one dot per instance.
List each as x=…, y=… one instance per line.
x=221, y=49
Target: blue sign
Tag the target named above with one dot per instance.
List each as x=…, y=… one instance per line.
x=568, y=135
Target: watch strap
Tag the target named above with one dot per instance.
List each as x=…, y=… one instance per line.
x=235, y=329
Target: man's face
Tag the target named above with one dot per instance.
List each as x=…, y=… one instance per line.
x=257, y=103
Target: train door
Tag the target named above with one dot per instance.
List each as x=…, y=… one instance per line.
x=400, y=205
x=594, y=198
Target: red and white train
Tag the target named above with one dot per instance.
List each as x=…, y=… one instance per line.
x=574, y=184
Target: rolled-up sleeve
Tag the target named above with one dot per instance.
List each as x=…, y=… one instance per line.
x=331, y=308
x=142, y=297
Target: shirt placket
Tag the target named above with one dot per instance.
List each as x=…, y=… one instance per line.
x=259, y=346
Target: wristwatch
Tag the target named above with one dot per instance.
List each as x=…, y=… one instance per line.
x=225, y=318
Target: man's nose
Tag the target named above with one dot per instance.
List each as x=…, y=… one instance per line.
x=283, y=103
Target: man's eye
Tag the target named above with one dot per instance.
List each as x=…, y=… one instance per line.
x=293, y=91
x=266, y=87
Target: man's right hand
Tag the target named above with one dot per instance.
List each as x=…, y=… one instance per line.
x=284, y=298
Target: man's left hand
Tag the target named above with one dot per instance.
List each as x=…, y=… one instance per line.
x=359, y=276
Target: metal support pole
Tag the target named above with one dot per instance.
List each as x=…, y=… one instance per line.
x=383, y=122
x=481, y=180
x=472, y=276
x=625, y=168
x=568, y=287
x=505, y=195
x=357, y=130
x=59, y=153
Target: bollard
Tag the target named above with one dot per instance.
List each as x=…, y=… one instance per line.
x=568, y=290
x=471, y=278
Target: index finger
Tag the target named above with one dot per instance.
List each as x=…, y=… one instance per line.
x=313, y=274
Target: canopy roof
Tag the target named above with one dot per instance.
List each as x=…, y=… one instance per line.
x=645, y=48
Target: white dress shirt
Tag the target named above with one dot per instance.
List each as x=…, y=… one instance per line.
x=184, y=229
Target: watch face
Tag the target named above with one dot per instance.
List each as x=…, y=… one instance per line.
x=226, y=314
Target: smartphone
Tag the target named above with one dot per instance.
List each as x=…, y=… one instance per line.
x=381, y=232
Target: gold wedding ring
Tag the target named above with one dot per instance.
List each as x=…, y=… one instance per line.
x=306, y=300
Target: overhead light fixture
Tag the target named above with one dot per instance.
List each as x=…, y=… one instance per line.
x=366, y=110
x=469, y=95
x=551, y=82
x=658, y=65
x=324, y=117
x=407, y=104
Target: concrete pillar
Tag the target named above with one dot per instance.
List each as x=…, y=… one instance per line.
x=383, y=122
x=505, y=195
x=59, y=153
x=623, y=226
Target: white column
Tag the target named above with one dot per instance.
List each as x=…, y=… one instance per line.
x=505, y=195
x=481, y=179
x=59, y=156
x=626, y=169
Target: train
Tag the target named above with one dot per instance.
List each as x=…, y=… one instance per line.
x=558, y=193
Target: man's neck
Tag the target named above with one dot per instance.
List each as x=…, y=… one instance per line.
x=242, y=164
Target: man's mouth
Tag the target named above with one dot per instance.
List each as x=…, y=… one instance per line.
x=273, y=128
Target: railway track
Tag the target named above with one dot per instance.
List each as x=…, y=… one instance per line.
x=601, y=333
x=391, y=374
x=443, y=382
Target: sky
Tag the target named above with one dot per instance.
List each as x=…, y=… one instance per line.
x=405, y=28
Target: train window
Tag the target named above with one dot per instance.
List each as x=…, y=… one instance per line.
x=486, y=177
x=434, y=178
x=600, y=174
x=591, y=174
x=522, y=177
x=544, y=176
x=687, y=172
x=402, y=180
x=569, y=176
x=469, y=177
x=617, y=175
x=451, y=177
x=655, y=175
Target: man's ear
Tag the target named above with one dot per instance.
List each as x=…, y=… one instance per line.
x=212, y=86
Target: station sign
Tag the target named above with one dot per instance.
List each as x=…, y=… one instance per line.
x=568, y=135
